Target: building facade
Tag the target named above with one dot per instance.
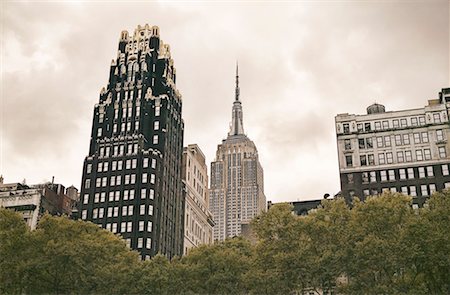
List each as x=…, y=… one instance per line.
x=32, y=201
x=399, y=151
x=198, y=221
x=131, y=182
x=237, y=179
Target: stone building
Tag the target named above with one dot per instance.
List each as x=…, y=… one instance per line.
x=237, y=178
x=403, y=151
x=131, y=182
x=198, y=226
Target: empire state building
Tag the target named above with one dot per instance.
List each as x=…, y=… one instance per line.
x=237, y=178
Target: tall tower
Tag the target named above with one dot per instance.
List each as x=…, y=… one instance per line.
x=237, y=178
x=131, y=181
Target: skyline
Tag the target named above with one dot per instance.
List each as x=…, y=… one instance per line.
x=310, y=63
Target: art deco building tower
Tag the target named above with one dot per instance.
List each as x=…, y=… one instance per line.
x=132, y=176
x=237, y=179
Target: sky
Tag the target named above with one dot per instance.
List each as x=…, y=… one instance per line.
x=300, y=64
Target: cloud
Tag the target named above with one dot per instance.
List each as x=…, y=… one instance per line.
x=300, y=65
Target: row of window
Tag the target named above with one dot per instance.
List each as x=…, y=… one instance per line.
x=425, y=190
x=396, y=123
x=116, y=180
x=118, y=165
x=400, y=140
x=401, y=157
x=115, y=196
x=114, y=211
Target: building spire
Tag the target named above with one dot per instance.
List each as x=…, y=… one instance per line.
x=237, y=81
x=237, y=126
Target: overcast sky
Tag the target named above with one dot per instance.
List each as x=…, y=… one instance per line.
x=300, y=64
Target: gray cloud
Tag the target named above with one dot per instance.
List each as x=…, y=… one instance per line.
x=300, y=65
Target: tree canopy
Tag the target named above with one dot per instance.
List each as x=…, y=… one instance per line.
x=379, y=246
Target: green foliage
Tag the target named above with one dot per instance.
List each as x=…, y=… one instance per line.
x=380, y=246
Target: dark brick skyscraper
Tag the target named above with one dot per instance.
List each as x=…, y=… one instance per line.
x=132, y=176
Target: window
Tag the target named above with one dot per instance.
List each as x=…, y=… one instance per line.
x=125, y=194
x=141, y=225
x=140, y=242
x=156, y=125
x=427, y=154
x=387, y=141
x=424, y=190
x=432, y=188
x=133, y=179
x=155, y=139
x=439, y=135
x=133, y=163
x=118, y=179
x=96, y=197
x=157, y=111
x=403, y=123
x=132, y=194
x=369, y=143
x=150, y=209
x=416, y=137
x=347, y=144
x=385, y=124
x=104, y=181
x=149, y=226
x=360, y=127
x=99, y=132
x=402, y=174
x=400, y=157
x=412, y=191
x=144, y=178
x=437, y=117
x=102, y=197
x=101, y=212
x=145, y=163
x=128, y=164
x=152, y=178
x=113, y=166
x=395, y=123
x=116, y=211
x=430, y=172
x=379, y=142
x=124, y=211
x=422, y=120
x=405, y=139
x=381, y=159
x=404, y=190
x=421, y=172
x=371, y=159
x=419, y=155
x=383, y=175
x=154, y=163
x=143, y=193
x=111, y=196
x=127, y=179
x=378, y=125
x=349, y=161
x=86, y=197
x=119, y=165
x=408, y=156
x=361, y=143
x=129, y=226
x=393, y=189
x=367, y=127
x=130, y=210
x=410, y=173
x=444, y=170
x=389, y=158
x=89, y=168
x=366, y=192
x=346, y=128
x=442, y=152
x=152, y=194
x=84, y=214
x=123, y=227
x=398, y=140
x=136, y=124
x=414, y=121
x=117, y=196
x=110, y=210
x=98, y=182
x=99, y=167
x=391, y=175
x=142, y=210
x=425, y=137
x=373, y=177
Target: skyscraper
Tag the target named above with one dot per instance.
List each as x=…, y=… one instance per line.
x=237, y=178
x=132, y=176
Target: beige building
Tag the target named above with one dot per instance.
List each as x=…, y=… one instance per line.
x=198, y=222
x=405, y=151
x=237, y=179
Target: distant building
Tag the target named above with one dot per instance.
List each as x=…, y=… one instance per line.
x=131, y=182
x=237, y=179
x=399, y=151
x=198, y=222
x=34, y=200
x=300, y=208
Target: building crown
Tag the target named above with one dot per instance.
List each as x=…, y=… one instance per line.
x=237, y=126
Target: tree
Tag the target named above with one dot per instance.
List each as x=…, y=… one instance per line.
x=77, y=257
x=14, y=240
